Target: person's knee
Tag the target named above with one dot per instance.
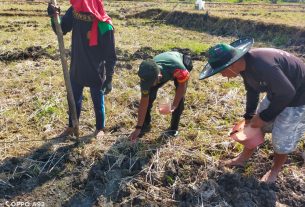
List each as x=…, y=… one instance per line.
x=284, y=141
x=283, y=148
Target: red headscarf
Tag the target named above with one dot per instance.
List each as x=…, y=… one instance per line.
x=96, y=8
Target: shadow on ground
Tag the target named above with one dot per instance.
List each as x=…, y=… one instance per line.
x=122, y=162
x=126, y=174
x=21, y=175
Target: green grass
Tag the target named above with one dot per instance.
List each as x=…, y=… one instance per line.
x=232, y=84
x=194, y=46
x=280, y=40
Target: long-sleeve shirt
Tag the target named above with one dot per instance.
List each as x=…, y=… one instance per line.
x=88, y=63
x=278, y=73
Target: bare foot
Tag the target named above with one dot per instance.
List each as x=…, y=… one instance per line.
x=99, y=134
x=233, y=162
x=269, y=177
x=69, y=131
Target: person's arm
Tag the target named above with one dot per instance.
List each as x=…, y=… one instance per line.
x=182, y=76
x=252, y=98
x=141, y=117
x=257, y=122
x=180, y=92
x=107, y=85
x=282, y=91
x=110, y=59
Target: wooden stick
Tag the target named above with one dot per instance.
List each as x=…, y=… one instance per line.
x=71, y=102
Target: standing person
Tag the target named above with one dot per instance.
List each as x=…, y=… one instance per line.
x=282, y=76
x=93, y=55
x=154, y=74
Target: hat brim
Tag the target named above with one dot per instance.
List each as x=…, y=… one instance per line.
x=243, y=45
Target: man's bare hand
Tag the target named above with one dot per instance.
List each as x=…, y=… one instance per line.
x=134, y=135
x=257, y=122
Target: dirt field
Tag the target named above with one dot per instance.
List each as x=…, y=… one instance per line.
x=41, y=169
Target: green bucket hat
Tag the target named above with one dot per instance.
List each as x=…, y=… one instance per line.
x=223, y=55
x=148, y=72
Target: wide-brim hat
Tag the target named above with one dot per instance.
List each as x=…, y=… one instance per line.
x=222, y=56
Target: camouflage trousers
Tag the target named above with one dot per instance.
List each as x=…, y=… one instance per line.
x=287, y=128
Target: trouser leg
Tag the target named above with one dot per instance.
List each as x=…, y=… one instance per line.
x=99, y=107
x=77, y=90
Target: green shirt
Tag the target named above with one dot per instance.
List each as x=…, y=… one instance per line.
x=171, y=67
x=169, y=62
